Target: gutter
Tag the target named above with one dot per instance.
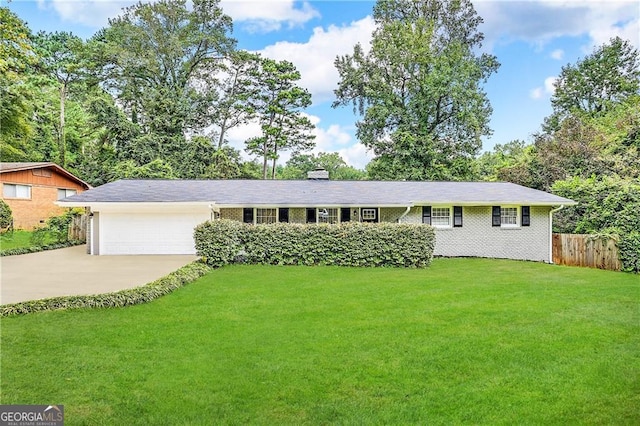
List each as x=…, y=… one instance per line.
x=406, y=212
x=551, y=212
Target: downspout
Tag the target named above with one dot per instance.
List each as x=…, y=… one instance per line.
x=406, y=212
x=551, y=212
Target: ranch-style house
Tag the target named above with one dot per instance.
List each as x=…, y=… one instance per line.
x=479, y=219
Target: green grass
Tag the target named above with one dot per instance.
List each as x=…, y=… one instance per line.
x=18, y=239
x=470, y=341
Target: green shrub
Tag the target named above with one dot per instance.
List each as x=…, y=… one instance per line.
x=6, y=217
x=134, y=296
x=629, y=251
x=37, y=248
x=348, y=244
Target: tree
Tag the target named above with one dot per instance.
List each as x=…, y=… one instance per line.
x=279, y=104
x=17, y=56
x=152, y=59
x=235, y=93
x=299, y=165
x=418, y=89
x=60, y=56
x=595, y=84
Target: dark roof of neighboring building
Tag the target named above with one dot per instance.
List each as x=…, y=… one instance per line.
x=300, y=193
x=16, y=167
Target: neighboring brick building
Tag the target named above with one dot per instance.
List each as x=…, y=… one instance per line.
x=31, y=189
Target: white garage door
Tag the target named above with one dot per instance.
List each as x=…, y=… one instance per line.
x=148, y=233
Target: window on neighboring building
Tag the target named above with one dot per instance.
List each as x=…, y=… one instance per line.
x=440, y=216
x=41, y=172
x=10, y=190
x=266, y=216
x=64, y=193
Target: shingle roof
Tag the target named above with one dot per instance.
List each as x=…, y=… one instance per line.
x=302, y=193
x=16, y=167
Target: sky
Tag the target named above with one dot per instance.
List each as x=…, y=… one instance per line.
x=532, y=40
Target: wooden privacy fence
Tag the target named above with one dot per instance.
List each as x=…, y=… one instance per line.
x=78, y=228
x=584, y=250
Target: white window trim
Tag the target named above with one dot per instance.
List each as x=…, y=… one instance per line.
x=255, y=214
x=337, y=215
x=17, y=185
x=374, y=210
x=68, y=192
x=450, y=225
x=510, y=225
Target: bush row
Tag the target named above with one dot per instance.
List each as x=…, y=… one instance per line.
x=134, y=296
x=222, y=242
x=37, y=248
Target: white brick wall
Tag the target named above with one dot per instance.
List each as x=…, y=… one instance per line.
x=477, y=238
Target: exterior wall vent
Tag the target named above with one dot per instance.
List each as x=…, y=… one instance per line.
x=318, y=174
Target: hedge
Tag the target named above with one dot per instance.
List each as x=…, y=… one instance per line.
x=222, y=242
x=36, y=249
x=134, y=296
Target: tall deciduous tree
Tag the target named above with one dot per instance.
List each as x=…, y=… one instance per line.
x=152, y=58
x=16, y=56
x=279, y=103
x=419, y=89
x=597, y=83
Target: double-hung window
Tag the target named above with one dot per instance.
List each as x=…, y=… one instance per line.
x=266, y=216
x=441, y=217
x=511, y=216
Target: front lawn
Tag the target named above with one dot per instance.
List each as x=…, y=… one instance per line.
x=471, y=341
x=18, y=239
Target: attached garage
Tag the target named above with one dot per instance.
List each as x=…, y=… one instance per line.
x=150, y=230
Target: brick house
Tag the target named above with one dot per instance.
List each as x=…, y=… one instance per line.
x=479, y=219
x=31, y=190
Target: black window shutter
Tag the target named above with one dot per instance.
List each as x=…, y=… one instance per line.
x=526, y=216
x=495, y=216
x=283, y=214
x=426, y=215
x=247, y=215
x=345, y=214
x=311, y=215
x=457, y=216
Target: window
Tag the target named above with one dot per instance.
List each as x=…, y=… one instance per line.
x=369, y=215
x=508, y=216
x=266, y=216
x=504, y=216
x=327, y=215
x=64, y=193
x=441, y=216
x=16, y=191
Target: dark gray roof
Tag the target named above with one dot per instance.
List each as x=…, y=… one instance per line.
x=313, y=193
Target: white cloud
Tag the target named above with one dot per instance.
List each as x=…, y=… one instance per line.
x=265, y=16
x=91, y=13
x=539, y=22
x=557, y=54
x=547, y=89
x=314, y=58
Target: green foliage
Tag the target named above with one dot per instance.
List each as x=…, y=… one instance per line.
x=298, y=166
x=419, y=89
x=604, y=204
x=6, y=216
x=348, y=244
x=278, y=105
x=56, y=229
x=156, y=169
x=129, y=297
x=596, y=83
x=31, y=248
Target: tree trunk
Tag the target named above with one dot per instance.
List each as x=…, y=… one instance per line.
x=264, y=159
x=61, y=135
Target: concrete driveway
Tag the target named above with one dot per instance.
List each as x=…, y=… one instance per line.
x=71, y=271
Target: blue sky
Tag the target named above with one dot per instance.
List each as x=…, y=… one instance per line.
x=531, y=39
